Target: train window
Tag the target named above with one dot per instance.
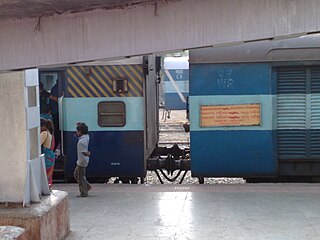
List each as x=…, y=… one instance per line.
x=111, y=114
x=120, y=85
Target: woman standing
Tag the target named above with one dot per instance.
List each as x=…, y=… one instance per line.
x=47, y=146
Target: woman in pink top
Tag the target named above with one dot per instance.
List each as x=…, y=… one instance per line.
x=47, y=146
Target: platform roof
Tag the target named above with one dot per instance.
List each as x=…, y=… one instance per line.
x=39, y=8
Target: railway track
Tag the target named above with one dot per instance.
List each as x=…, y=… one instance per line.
x=171, y=133
x=171, y=130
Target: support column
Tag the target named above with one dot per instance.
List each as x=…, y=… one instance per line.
x=13, y=144
x=23, y=179
x=22, y=172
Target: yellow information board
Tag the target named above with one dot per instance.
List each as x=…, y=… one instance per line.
x=230, y=115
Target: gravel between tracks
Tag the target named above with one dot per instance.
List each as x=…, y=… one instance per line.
x=153, y=179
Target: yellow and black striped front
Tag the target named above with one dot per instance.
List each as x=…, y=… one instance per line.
x=96, y=81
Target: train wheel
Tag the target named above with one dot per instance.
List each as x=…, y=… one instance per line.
x=125, y=180
x=134, y=180
x=201, y=180
x=142, y=180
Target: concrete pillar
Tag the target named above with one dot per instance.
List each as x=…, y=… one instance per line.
x=23, y=177
x=22, y=171
x=13, y=145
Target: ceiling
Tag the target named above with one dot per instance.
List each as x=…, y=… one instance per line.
x=39, y=8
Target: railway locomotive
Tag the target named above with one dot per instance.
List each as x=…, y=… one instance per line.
x=255, y=109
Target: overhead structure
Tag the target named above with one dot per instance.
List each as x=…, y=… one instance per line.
x=45, y=8
x=37, y=33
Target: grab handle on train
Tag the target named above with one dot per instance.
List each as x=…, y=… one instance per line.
x=61, y=123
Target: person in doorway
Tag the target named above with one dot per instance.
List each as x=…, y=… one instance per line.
x=55, y=112
x=47, y=146
x=45, y=109
x=83, y=159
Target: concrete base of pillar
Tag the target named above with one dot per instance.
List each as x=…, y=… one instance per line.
x=47, y=220
x=12, y=233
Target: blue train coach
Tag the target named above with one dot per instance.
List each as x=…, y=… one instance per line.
x=119, y=103
x=255, y=109
x=176, y=82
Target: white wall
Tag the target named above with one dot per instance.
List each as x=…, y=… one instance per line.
x=99, y=34
x=13, y=148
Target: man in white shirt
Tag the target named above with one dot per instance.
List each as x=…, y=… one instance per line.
x=83, y=159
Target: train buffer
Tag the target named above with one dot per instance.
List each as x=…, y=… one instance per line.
x=166, y=161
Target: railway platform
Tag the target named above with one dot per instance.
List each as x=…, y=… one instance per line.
x=288, y=211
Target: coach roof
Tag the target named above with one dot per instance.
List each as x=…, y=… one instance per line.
x=293, y=49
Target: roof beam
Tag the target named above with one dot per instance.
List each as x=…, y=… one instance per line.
x=102, y=34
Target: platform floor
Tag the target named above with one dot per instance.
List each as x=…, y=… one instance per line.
x=197, y=212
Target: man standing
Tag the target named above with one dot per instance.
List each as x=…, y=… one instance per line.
x=83, y=159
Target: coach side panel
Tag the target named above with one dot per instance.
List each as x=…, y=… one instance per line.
x=231, y=120
x=117, y=150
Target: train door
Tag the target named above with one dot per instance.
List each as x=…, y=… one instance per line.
x=52, y=81
x=298, y=120
x=152, y=68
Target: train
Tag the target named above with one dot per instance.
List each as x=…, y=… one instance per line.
x=175, y=74
x=253, y=109
x=118, y=100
